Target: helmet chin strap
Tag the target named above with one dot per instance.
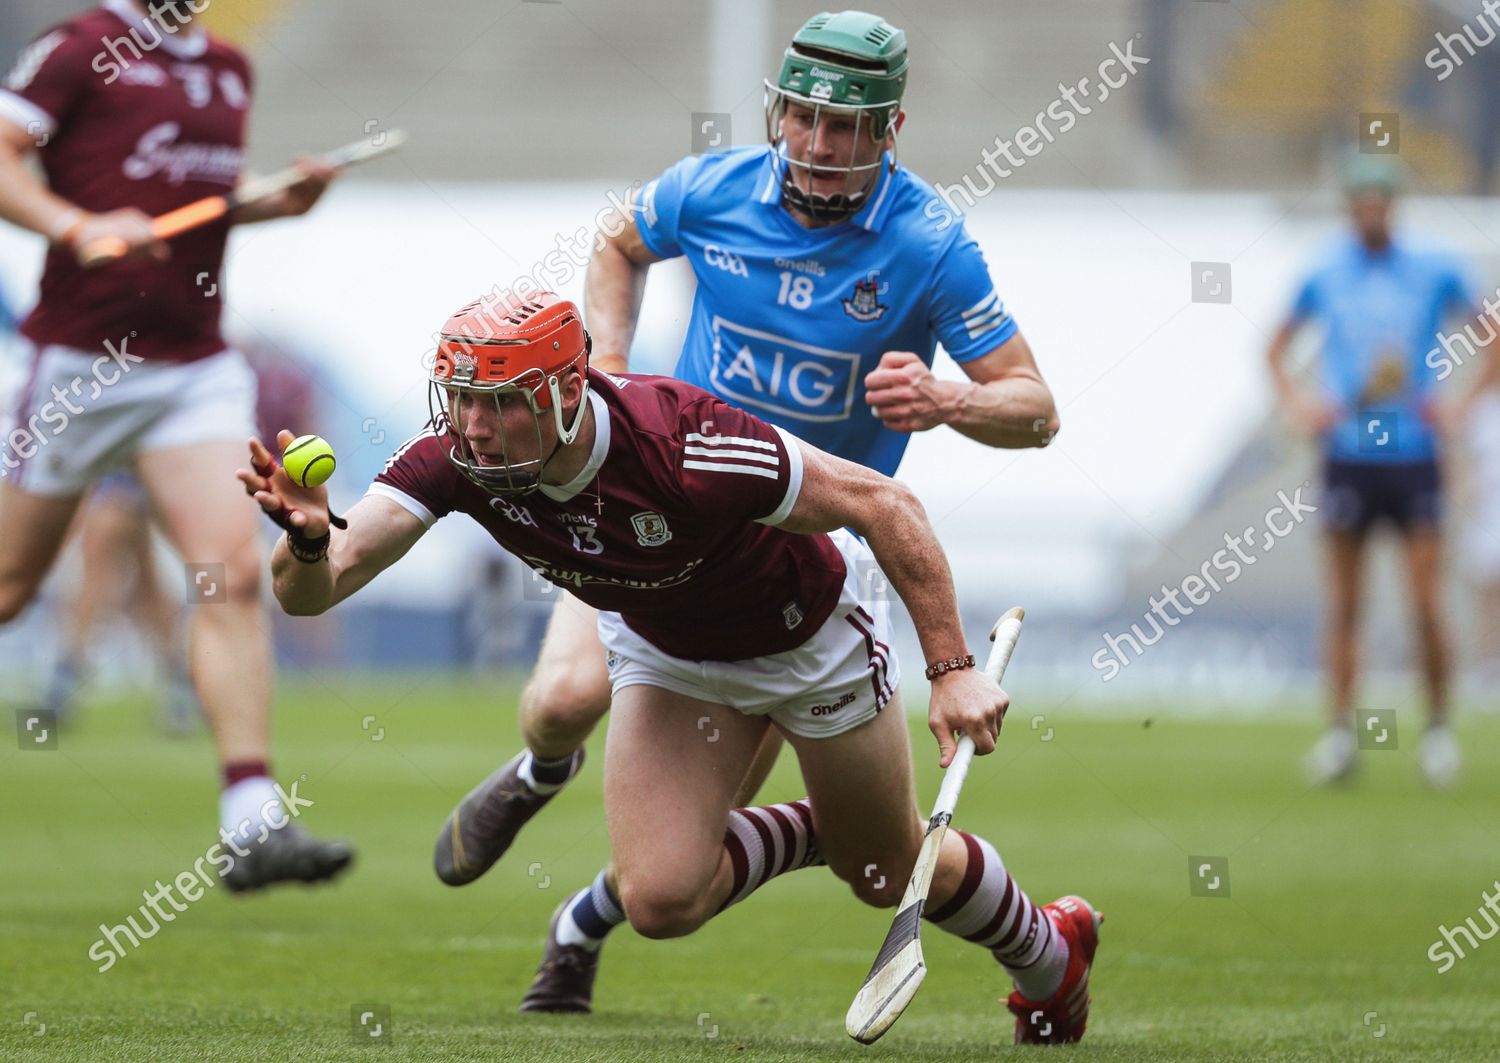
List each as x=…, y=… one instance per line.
x=840, y=206
x=834, y=208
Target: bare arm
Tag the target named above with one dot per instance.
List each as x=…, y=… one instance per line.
x=380, y=533
x=24, y=200
x=837, y=494
x=1308, y=411
x=612, y=291
x=1004, y=403
x=27, y=202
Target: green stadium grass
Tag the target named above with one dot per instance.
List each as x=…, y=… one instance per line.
x=1335, y=898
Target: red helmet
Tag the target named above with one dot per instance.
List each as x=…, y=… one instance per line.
x=502, y=345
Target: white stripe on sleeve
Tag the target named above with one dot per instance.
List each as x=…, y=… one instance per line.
x=404, y=500
x=794, y=479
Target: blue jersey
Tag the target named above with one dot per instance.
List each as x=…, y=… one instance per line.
x=787, y=321
x=1381, y=314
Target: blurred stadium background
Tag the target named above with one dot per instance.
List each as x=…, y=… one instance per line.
x=526, y=117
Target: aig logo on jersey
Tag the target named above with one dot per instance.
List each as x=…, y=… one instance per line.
x=726, y=260
x=651, y=529
x=765, y=371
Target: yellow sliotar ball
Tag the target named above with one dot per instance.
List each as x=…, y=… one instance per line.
x=309, y=460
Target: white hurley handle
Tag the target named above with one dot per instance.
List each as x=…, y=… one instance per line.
x=1003, y=637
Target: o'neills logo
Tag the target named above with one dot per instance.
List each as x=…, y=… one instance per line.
x=829, y=710
x=158, y=154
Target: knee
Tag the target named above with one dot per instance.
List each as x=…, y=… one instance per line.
x=662, y=912
x=243, y=576
x=879, y=884
x=560, y=704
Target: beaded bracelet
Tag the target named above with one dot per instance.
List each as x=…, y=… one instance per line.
x=953, y=664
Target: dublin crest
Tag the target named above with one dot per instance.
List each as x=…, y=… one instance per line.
x=866, y=304
x=650, y=529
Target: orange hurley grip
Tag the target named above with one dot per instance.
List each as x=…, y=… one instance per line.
x=164, y=227
x=179, y=221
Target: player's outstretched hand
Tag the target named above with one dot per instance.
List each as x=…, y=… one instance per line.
x=130, y=226
x=906, y=396
x=966, y=702
x=284, y=501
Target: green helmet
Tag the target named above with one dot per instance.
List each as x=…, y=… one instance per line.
x=1381, y=174
x=843, y=64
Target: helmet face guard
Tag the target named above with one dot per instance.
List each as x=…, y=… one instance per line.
x=840, y=65
x=519, y=364
x=875, y=121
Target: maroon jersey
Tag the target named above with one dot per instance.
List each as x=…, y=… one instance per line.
x=672, y=523
x=154, y=133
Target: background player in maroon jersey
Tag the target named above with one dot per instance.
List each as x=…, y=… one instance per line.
x=729, y=594
x=134, y=112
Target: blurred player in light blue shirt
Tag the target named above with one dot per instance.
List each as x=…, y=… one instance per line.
x=1381, y=303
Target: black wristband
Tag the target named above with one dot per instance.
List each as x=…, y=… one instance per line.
x=308, y=551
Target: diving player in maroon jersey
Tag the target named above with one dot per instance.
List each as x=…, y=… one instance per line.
x=729, y=600
x=134, y=112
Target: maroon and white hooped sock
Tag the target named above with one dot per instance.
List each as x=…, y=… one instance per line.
x=767, y=841
x=990, y=910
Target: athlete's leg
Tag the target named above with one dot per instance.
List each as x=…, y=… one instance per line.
x=1423, y=548
x=205, y=515
x=208, y=520
x=33, y=529
x=156, y=615
x=760, y=843
x=672, y=766
x=568, y=692
x=106, y=538
x=103, y=534
x=1345, y=553
x=567, y=695
x=869, y=830
x=1437, y=753
x=760, y=768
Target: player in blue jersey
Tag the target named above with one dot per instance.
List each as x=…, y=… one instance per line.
x=1381, y=303
x=827, y=276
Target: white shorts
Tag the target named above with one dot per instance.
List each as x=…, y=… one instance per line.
x=82, y=414
x=835, y=681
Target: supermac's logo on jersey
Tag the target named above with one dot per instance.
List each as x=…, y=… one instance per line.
x=651, y=529
x=765, y=371
x=865, y=304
